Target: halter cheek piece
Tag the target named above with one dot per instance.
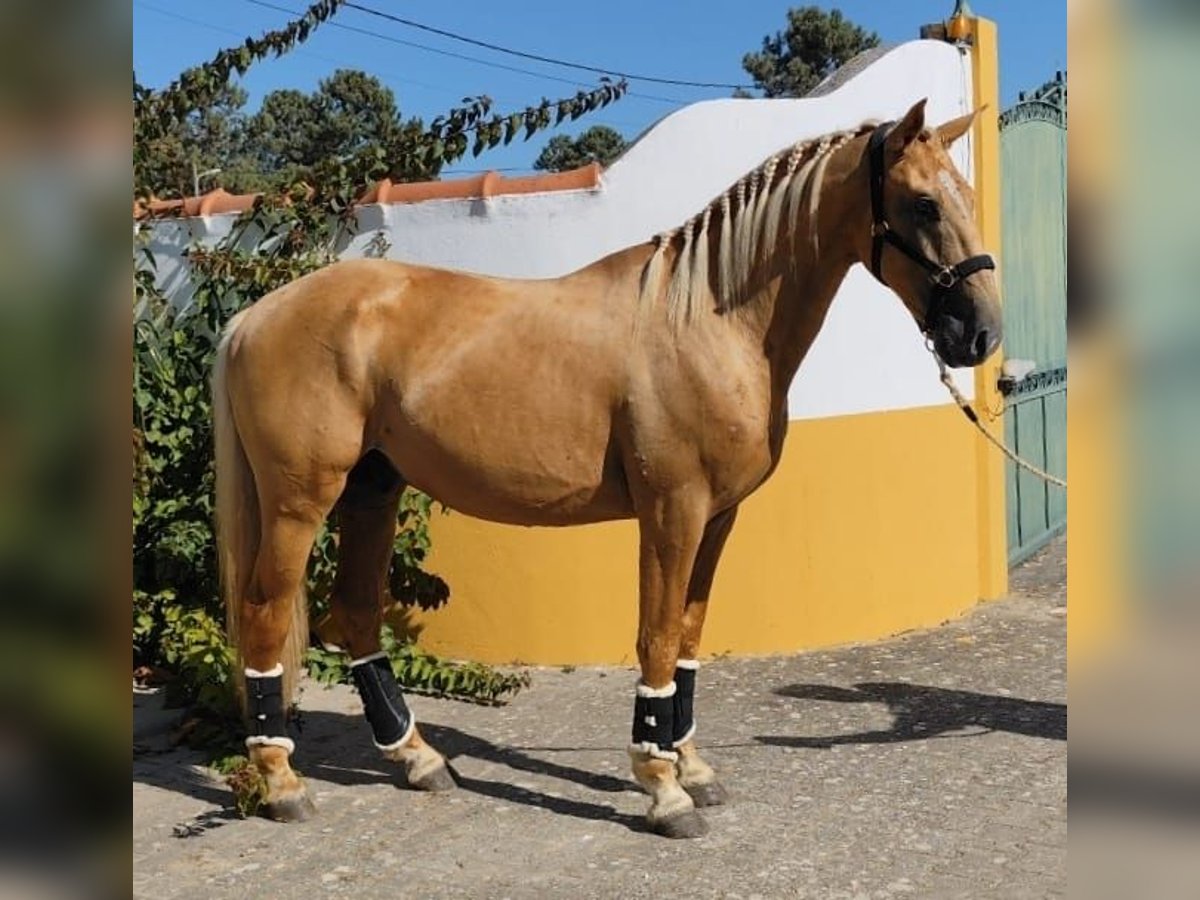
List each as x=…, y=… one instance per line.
x=942, y=279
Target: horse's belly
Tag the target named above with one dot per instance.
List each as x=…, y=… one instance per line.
x=507, y=417
x=513, y=477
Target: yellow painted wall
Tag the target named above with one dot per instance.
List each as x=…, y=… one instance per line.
x=868, y=527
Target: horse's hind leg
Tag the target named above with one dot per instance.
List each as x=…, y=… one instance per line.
x=695, y=775
x=266, y=618
x=366, y=514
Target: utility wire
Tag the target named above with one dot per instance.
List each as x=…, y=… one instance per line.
x=400, y=79
x=544, y=59
x=299, y=51
x=483, y=62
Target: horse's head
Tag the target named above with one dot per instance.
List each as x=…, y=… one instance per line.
x=924, y=243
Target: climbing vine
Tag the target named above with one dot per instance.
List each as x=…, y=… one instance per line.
x=473, y=127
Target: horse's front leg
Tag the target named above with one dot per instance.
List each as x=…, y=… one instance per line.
x=670, y=534
x=694, y=774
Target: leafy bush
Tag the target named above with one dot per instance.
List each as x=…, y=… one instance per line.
x=424, y=673
x=246, y=783
x=177, y=612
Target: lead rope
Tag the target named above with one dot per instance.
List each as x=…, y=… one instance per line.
x=970, y=413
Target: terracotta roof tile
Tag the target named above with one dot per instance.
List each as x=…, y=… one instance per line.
x=489, y=184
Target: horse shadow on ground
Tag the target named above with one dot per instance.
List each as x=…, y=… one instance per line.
x=175, y=770
x=360, y=763
x=160, y=759
x=921, y=712
x=337, y=748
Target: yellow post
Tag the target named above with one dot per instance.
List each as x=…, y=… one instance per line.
x=993, y=538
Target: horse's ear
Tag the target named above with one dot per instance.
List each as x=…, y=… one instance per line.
x=951, y=131
x=907, y=129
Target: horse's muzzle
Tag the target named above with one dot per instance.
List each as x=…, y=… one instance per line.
x=962, y=345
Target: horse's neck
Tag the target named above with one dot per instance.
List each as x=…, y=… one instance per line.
x=786, y=311
x=797, y=312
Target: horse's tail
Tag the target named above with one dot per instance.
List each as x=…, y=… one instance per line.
x=239, y=527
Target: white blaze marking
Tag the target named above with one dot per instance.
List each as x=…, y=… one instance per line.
x=951, y=187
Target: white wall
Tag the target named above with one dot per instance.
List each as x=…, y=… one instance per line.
x=869, y=356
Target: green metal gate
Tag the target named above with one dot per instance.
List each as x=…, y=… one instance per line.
x=1033, y=147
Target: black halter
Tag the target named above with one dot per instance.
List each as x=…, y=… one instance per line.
x=942, y=278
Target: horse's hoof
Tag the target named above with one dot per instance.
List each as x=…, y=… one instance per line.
x=689, y=824
x=298, y=808
x=711, y=794
x=436, y=781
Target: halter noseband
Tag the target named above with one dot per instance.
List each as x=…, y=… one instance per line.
x=942, y=278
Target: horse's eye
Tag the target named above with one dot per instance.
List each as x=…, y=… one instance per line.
x=927, y=208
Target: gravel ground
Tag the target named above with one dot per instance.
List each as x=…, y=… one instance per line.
x=931, y=765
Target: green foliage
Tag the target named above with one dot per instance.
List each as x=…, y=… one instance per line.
x=176, y=603
x=350, y=115
x=349, y=126
x=424, y=673
x=598, y=144
x=173, y=544
x=814, y=45
x=177, y=606
x=245, y=781
x=191, y=644
x=207, y=138
x=155, y=113
x=177, y=611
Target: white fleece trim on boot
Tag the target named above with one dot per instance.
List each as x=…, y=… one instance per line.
x=652, y=749
x=370, y=657
x=261, y=740
x=691, y=732
x=274, y=672
x=644, y=690
x=396, y=745
x=692, y=664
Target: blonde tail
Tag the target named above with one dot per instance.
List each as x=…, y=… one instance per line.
x=239, y=528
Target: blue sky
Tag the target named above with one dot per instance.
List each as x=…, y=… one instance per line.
x=703, y=40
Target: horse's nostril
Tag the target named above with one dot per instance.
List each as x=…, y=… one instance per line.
x=982, y=338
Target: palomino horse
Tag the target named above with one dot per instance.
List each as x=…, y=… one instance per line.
x=651, y=384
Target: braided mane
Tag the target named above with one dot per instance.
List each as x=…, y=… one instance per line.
x=748, y=216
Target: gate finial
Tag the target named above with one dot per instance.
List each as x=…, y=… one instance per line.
x=957, y=28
